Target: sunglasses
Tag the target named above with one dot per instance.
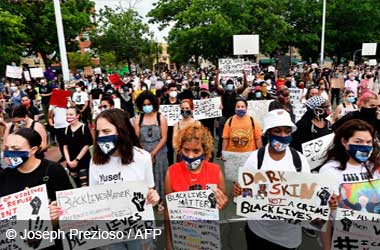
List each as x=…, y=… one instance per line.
x=104, y=107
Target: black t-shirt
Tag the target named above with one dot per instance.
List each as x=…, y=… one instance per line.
x=47, y=89
x=95, y=93
x=13, y=181
x=31, y=93
x=76, y=140
x=32, y=111
x=186, y=94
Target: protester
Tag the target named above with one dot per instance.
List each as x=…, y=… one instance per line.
x=195, y=144
x=17, y=94
x=117, y=151
x=352, y=84
x=313, y=123
x=106, y=103
x=347, y=105
x=45, y=91
x=76, y=144
x=57, y=120
x=81, y=101
x=353, y=153
x=277, y=155
x=241, y=132
x=283, y=101
x=151, y=128
x=32, y=110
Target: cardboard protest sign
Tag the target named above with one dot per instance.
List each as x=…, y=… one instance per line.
x=98, y=71
x=59, y=98
x=258, y=110
x=232, y=162
x=229, y=67
x=87, y=71
x=207, y=108
x=36, y=72
x=27, y=212
x=172, y=113
x=315, y=150
x=113, y=209
x=193, y=219
x=356, y=230
x=13, y=72
x=359, y=194
x=297, y=198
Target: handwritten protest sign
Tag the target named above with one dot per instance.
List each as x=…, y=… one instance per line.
x=172, y=113
x=36, y=72
x=315, y=150
x=13, y=72
x=297, y=198
x=356, y=230
x=295, y=96
x=193, y=219
x=229, y=67
x=113, y=209
x=26, y=212
x=207, y=108
x=258, y=110
x=95, y=110
x=232, y=162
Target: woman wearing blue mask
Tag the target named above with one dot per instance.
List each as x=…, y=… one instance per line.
x=277, y=155
x=347, y=106
x=151, y=127
x=354, y=160
x=119, y=158
x=241, y=133
x=195, y=144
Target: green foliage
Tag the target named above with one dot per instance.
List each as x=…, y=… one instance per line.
x=78, y=61
x=122, y=33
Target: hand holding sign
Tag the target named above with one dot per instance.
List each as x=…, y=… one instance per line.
x=139, y=201
x=152, y=197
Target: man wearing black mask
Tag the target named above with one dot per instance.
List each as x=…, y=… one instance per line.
x=369, y=110
x=283, y=102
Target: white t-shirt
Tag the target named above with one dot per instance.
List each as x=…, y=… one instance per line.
x=80, y=98
x=278, y=232
x=114, y=172
x=59, y=116
x=354, y=185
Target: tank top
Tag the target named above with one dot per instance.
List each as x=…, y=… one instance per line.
x=183, y=180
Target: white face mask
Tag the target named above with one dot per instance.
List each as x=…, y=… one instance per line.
x=173, y=94
x=78, y=89
x=13, y=88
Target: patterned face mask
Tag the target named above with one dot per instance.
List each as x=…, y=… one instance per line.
x=107, y=143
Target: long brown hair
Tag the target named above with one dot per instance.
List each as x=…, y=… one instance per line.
x=337, y=151
x=126, y=137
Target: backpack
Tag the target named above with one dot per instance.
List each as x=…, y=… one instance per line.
x=296, y=158
x=252, y=123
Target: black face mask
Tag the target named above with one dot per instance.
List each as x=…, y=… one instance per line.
x=185, y=113
x=368, y=112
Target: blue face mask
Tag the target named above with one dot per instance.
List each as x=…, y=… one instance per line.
x=360, y=153
x=240, y=112
x=16, y=158
x=107, y=143
x=193, y=163
x=351, y=99
x=148, y=109
x=280, y=143
x=258, y=94
x=229, y=87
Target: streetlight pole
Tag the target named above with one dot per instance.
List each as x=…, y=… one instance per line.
x=323, y=32
x=354, y=56
x=61, y=41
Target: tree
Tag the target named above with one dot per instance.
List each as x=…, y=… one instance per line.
x=123, y=33
x=38, y=21
x=79, y=61
x=11, y=34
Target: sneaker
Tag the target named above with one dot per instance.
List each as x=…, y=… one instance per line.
x=309, y=232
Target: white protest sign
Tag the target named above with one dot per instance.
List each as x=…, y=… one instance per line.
x=27, y=76
x=229, y=67
x=298, y=111
x=207, y=108
x=172, y=113
x=271, y=69
x=258, y=110
x=194, y=220
x=369, y=49
x=113, y=209
x=36, y=72
x=246, y=44
x=13, y=72
x=27, y=212
x=96, y=110
x=98, y=71
x=117, y=103
x=232, y=162
x=296, y=198
x=372, y=62
x=356, y=230
x=295, y=95
x=315, y=150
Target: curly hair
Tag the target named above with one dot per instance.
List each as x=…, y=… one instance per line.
x=147, y=95
x=195, y=132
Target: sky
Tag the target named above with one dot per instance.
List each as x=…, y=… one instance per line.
x=142, y=7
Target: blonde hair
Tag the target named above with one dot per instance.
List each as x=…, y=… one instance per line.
x=195, y=132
